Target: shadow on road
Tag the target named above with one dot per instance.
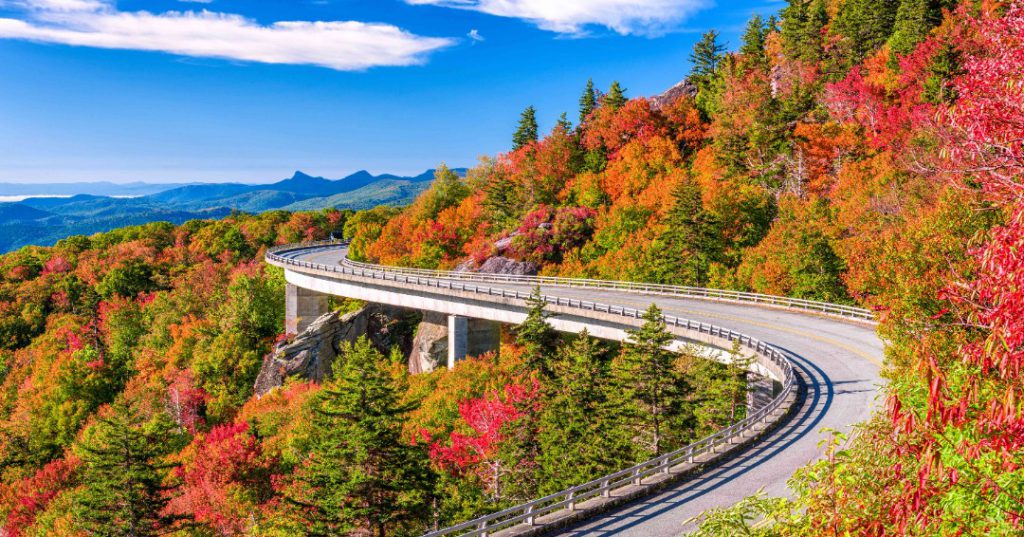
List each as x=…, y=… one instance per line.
x=817, y=391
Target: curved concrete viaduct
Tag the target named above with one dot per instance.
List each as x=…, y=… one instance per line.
x=836, y=361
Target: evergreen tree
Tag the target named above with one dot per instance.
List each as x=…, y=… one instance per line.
x=519, y=452
x=503, y=201
x=526, y=133
x=576, y=424
x=564, y=123
x=538, y=338
x=706, y=55
x=704, y=73
x=647, y=391
x=864, y=25
x=914, y=19
x=361, y=473
x=616, y=96
x=802, y=24
x=691, y=240
x=754, y=36
x=124, y=474
x=588, y=101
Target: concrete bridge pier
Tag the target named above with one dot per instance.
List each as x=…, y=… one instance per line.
x=471, y=337
x=301, y=307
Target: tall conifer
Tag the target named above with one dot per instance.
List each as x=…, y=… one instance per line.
x=124, y=491
x=588, y=101
x=526, y=133
x=646, y=389
x=361, y=474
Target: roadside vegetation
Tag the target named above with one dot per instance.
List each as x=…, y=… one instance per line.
x=865, y=152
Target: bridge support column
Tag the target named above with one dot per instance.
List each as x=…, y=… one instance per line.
x=471, y=337
x=302, y=307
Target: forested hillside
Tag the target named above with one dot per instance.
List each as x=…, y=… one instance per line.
x=860, y=151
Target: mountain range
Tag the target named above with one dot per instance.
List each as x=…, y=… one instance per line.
x=79, y=210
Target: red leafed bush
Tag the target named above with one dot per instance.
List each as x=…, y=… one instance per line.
x=224, y=478
x=486, y=418
x=33, y=494
x=547, y=234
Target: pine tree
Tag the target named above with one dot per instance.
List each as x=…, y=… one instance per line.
x=864, y=25
x=706, y=55
x=576, y=431
x=754, y=36
x=588, y=101
x=361, y=473
x=538, y=338
x=616, y=96
x=646, y=388
x=124, y=472
x=564, y=123
x=802, y=24
x=914, y=19
x=526, y=133
x=691, y=240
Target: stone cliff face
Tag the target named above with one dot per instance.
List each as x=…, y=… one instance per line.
x=311, y=354
x=430, y=346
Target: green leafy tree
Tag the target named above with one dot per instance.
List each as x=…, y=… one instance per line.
x=588, y=101
x=124, y=475
x=127, y=280
x=447, y=190
x=526, y=133
x=646, y=389
x=616, y=96
x=538, y=339
x=361, y=473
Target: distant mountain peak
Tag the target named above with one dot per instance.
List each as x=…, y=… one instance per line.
x=301, y=175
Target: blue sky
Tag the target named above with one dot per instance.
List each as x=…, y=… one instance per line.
x=231, y=90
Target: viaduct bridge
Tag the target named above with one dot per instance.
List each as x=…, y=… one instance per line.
x=824, y=359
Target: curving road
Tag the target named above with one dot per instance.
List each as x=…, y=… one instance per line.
x=838, y=361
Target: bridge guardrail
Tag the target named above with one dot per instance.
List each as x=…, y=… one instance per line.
x=815, y=306
x=528, y=512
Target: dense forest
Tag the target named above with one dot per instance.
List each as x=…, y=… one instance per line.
x=859, y=151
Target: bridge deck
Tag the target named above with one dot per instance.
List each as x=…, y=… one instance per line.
x=839, y=361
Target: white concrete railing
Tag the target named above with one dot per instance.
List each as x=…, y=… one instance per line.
x=825, y=308
x=527, y=513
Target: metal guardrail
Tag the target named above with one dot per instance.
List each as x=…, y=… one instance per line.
x=838, y=310
x=528, y=512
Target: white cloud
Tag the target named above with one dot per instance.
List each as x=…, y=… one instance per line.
x=340, y=45
x=639, y=17
x=474, y=34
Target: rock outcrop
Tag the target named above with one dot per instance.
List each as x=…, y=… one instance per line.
x=311, y=354
x=673, y=94
x=503, y=265
x=430, y=345
x=498, y=263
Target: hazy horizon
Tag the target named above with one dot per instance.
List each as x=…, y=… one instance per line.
x=325, y=87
